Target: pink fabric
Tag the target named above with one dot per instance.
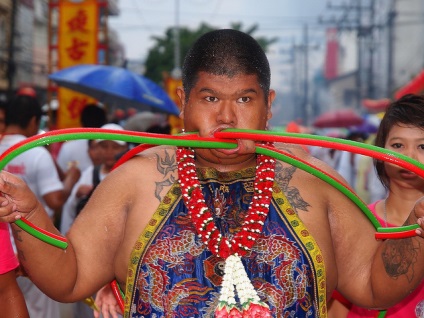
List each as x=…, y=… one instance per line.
x=8, y=260
x=412, y=306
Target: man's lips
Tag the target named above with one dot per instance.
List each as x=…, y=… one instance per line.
x=223, y=150
x=230, y=151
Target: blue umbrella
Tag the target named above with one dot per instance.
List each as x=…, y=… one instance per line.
x=115, y=86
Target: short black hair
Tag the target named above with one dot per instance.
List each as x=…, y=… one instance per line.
x=407, y=110
x=93, y=116
x=21, y=109
x=226, y=52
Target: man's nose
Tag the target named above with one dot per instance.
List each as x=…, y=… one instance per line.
x=226, y=113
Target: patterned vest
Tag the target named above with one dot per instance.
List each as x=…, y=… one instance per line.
x=172, y=274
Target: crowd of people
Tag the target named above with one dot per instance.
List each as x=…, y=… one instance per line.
x=60, y=181
x=199, y=232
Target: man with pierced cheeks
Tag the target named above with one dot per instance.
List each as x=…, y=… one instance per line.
x=179, y=246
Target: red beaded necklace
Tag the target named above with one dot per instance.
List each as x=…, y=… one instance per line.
x=202, y=217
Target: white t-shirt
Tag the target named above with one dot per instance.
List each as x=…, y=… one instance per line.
x=74, y=151
x=35, y=166
x=347, y=167
x=69, y=209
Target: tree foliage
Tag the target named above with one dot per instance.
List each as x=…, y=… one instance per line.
x=160, y=59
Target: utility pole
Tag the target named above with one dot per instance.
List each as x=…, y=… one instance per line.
x=300, y=77
x=305, y=110
x=371, y=48
x=390, y=48
x=365, y=36
x=359, y=57
x=176, y=72
x=295, y=80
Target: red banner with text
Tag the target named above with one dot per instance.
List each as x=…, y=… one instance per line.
x=77, y=44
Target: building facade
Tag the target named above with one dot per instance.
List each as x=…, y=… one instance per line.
x=24, y=57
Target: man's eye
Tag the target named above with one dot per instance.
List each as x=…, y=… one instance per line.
x=243, y=99
x=211, y=99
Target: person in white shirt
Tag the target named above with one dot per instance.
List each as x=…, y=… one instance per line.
x=109, y=151
x=76, y=151
x=37, y=168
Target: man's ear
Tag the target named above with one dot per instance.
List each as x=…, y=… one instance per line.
x=271, y=97
x=181, y=96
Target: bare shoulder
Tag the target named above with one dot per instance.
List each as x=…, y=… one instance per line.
x=159, y=159
x=143, y=179
x=301, y=154
x=340, y=228
x=130, y=195
x=331, y=217
x=299, y=167
x=310, y=184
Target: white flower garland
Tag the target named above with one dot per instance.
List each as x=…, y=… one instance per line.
x=235, y=276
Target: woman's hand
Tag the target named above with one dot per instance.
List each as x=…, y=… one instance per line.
x=419, y=214
x=107, y=303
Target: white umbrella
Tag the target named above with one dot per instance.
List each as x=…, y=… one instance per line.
x=144, y=120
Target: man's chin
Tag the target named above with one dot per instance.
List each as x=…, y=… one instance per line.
x=244, y=147
x=229, y=152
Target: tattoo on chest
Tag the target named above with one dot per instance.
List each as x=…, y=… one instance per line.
x=166, y=165
x=283, y=175
x=399, y=257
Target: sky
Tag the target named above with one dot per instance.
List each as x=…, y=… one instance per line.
x=139, y=20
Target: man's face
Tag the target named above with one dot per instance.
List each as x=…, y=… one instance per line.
x=218, y=102
x=109, y=151
x=409, y=141
x=95, y=153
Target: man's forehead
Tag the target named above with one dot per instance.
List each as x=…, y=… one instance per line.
x=239, y=82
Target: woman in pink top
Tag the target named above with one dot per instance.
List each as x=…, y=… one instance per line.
x=12, y=302
x=401, y=130
x=411, y=306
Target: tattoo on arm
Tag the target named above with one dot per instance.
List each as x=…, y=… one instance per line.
x=17, y=234
x=399, y=257
x=283, y=175
x=22, y=259
x=166, y=166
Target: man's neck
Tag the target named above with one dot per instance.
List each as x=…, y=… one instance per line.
x=249, y=161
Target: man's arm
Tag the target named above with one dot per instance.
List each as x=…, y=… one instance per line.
x=400, y=262
x=376, y=273
x=86, y=265
x=370, y=273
